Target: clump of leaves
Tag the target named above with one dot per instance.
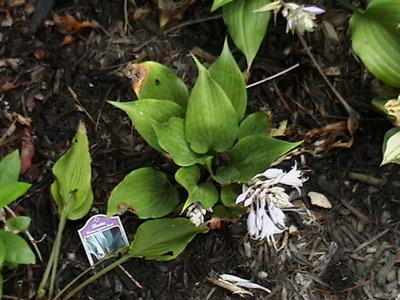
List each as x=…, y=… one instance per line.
x=14, y=250
x=73, y=195
x=205, y=132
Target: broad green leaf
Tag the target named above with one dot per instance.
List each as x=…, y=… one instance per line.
x=10, y=192
x=376, y=39
x=2, y=255
x=218, y=3
x=18, y=224
x=17, y=249
x=73, y=178
x=253, y=154
x=205, y=193
x=256, y=123
x=10, y=166
x=211, y=122
x=246, y=27
x=391, y=146
x=147, y=112
x=163, y=239
x=171, y=137
x=227, y=74
x=228, y=213
x=229, y=193
x=146, y=192
x=152, y=80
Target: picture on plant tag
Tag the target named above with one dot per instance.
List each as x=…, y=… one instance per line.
x=101, y=236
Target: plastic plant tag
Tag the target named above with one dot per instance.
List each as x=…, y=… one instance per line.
x=101, y=236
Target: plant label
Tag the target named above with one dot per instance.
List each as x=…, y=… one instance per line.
x=101, y=236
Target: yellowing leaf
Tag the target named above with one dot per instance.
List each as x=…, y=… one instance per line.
x=391, y=146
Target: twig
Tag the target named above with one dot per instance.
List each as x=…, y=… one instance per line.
x=130, y=276
x=365, y=178
x=75, y=96
x=354, y=117
x=369, y=241
x=272, y=77
x=28, y=235
x=188, y=23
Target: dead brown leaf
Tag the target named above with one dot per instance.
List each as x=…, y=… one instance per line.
x=68, y=24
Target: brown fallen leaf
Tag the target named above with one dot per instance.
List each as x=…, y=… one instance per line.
x=68, y=24
x=171, y=10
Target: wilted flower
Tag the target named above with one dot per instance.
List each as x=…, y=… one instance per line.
x=298, y=17
x=266, y=198
x=196, y=213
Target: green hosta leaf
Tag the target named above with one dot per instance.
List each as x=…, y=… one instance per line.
x=256, y=123
x=152, y=80
x=211, y=122
x=228, y=213
x=376, y=39
x=253, y=154
x=218, y=3
x=227, y=74
x=246, y=27
x=391, y=146
x=72, y=189
x=17, y=249
x=18, y=224
x=229, y=193
x=147, y=112
x=10, y=192
x=171, y=137
x=163, y=239
x=2, y=255
x=10, y=166
x=144, y=191
x=205, y=193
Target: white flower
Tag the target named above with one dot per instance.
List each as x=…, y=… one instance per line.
x=300, y=17
x=266, y=200
x=196, y=213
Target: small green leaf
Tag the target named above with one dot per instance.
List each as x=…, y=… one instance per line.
x=391, y=147
x=246, y=27
x=10, y=166
x=229, y=193
x=73, y=178
x=152, y=80
x=17, y=249
x=10, y=192
x=228, y=213
x=253, y=154
x=147, y=112
x=211, y=121
x=18, y=224
x=256, y=123
x=218, y=3
x=171, y=137
x=376, y=39
x=144, y=191
x=163, y=239
x=227, y=74
x=205, y=193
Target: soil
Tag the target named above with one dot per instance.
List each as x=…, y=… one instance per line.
x=53, y=76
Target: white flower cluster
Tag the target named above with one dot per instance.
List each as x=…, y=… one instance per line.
x=196, y=213
x=298, y=17
x=265, y=197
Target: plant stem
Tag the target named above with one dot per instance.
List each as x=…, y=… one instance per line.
x=57, y=246
x=41, y=292
x=96, y=276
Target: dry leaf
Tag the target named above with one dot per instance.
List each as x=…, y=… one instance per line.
x=68, y=24
x=319, y=200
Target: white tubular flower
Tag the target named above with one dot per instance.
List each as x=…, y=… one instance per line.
x=300, y=17
x=266, y=200
x=195, y=212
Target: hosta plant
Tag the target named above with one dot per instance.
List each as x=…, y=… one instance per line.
x=72, y=192
x=205, y=132
x=14, y=250
x=376, y=40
